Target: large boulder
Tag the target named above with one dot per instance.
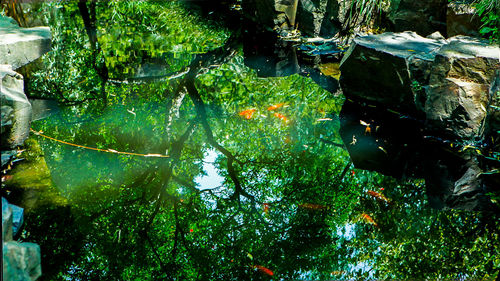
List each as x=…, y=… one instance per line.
x=19, y=46
x=446, y=81
x=456, y=96
x=382, y=62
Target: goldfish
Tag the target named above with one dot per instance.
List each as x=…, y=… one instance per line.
x=368, y=130
x=368, y=219
x=312, y=206
x=281, y=116
x=378, y=196
x=247, y=114
x=264, y=270
x=276, y=106
x=265, y=208
x=6, y=178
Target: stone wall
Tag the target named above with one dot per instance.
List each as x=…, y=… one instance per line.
x=18, y=47
x=21, y=261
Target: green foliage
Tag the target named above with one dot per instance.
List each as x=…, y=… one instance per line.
x=132, y=36
x=364, y=12
x=489, y=11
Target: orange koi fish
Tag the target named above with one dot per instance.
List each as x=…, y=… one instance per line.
x=276, y=106
x=281, y=116
x=247, y=114
x=6, y=178
x=368, y=219
x=368, y=130
x=264, y=270
x=378, y=196
x=312, y=206
x=265, y=207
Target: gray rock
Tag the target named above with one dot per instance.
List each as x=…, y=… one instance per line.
x=381, y=62
x=19, y=46
x=16, y=119
x=457, y=92
x=17, y=219
x=21, y=261
x=12, y=220
x=6, y=221
x=444, y=80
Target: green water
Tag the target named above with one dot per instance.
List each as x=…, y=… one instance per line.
x=244, y=191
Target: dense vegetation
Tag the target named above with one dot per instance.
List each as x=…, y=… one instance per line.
x=289, y=204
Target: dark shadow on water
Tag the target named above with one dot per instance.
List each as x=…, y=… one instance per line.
x=399, y=146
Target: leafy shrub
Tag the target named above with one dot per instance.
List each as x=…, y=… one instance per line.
x=488, y=10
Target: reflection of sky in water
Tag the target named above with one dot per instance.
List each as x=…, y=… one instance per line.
x=212, y=179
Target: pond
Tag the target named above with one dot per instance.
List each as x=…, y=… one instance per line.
x=186, y=146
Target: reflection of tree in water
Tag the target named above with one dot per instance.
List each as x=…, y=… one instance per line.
x=286, y=193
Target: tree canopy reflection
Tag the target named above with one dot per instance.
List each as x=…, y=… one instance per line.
x=290, y=204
